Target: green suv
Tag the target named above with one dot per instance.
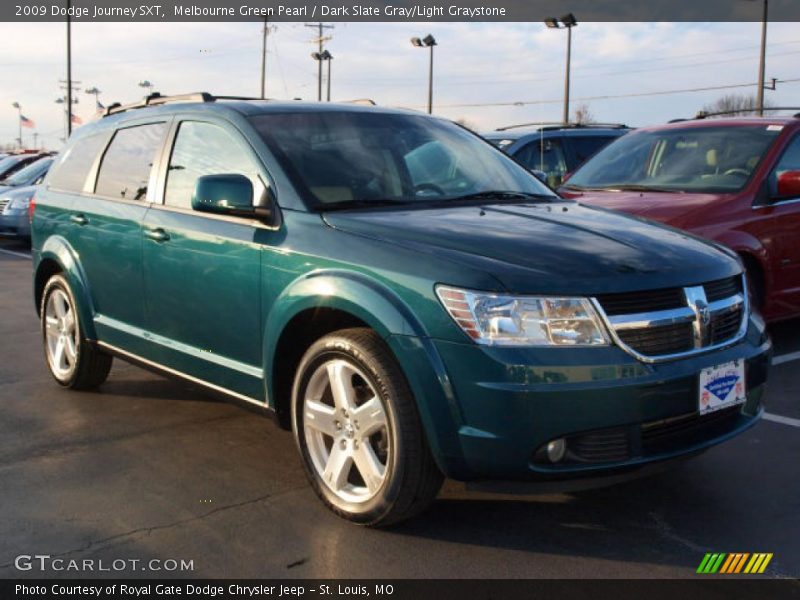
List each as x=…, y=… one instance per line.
x=410, y=301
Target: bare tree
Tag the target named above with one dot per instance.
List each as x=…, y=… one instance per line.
x=734, y=104
x=583, y=115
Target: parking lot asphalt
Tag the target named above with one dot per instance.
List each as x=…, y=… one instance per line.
x=149, y=468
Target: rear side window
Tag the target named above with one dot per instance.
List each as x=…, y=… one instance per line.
x=125, y=170
x=547, y=156
x=202, y=149
x=584, y=147
x=71, y=171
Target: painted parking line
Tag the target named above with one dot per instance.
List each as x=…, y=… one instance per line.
x=784, y=358
x=783, y=420
x=12, y=253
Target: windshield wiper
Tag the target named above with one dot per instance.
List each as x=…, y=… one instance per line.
x=634, y=187
x=501, y=195
x=348, y=204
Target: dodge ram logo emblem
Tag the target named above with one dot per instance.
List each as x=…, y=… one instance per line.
x=696, y=299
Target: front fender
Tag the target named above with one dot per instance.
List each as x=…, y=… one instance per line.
x=57, y=249
x=386, y=313
x=350, y=292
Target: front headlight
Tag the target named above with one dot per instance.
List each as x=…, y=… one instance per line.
x=501, y=320
x=19, y=203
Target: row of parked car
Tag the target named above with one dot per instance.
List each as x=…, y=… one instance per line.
x=732, y=180
x=20, y=174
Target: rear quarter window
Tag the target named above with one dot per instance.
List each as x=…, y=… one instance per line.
x=128, y=161
x=70, y=173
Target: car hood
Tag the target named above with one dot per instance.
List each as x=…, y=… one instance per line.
x=665, y=207
x=17, y=191
x=560, y=247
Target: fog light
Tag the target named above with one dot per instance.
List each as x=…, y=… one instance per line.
x=556, y=450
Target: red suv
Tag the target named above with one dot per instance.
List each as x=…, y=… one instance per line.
x=732, y=180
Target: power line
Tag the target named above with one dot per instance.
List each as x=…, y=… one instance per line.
x=610, y=96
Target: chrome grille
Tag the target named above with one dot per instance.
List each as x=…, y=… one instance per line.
x=674, y=322
x=3, y=203
x=659, y=340
x=723, y=288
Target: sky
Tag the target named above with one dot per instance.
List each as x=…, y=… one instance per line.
x=517, y=64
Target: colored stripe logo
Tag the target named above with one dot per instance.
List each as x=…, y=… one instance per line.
x=733, y=563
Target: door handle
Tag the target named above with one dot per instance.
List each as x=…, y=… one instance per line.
x=157, y=234
x=79, y=219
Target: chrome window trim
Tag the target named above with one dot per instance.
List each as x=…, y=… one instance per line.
x=667, y=317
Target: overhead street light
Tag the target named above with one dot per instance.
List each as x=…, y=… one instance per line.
x=567, y=22
x=94, y=91
x=147, y=85
x=427, y=42
x=328, y=57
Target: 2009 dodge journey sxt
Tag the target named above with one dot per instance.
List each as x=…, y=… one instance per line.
x=410, y=301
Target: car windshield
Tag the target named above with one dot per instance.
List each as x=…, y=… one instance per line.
x=692, y=159
x=30, y=173
x=360, y=159
x=8, y=163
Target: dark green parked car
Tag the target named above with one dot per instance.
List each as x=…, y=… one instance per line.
x=411, y=302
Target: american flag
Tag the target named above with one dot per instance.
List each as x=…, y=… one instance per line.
x=26, y=122
x=76, y=120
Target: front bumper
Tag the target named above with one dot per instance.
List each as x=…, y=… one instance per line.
x=616, y=413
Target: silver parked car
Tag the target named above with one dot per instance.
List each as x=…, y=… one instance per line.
x=14, y=204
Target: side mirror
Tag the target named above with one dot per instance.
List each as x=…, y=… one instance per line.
x=228, y=194
x=788, y=184
x=223, y=194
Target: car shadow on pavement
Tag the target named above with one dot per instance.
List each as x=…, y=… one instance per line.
x=628, y=521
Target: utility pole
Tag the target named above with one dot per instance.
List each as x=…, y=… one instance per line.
x=565, y=118
x=264, y=59
x=762, y=62
x=68, y=100
x=321, y=41
x=19, y=121
x=69, y=70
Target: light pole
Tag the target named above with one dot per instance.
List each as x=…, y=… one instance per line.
x=96, y=93
x=19, y=111
x=146, y=85
x=328, y=57
x=427, y=42
x=320, y=40
x=568, y=21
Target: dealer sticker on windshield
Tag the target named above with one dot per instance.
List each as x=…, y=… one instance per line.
x=722, y=386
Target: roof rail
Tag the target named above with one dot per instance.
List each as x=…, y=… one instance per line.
x=155, y=99
x=701, y=114
x=561, y=125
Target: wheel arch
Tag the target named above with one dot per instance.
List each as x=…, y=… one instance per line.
x=57, y=256
x=315, y=305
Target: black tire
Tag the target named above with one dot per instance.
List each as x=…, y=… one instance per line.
x=411, y=477
x=91, y=367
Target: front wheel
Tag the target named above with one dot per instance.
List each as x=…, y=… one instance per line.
x=73, y=361
x=357, y=428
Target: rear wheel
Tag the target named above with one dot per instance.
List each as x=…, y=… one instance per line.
x=73, y=361
x=357, y=428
